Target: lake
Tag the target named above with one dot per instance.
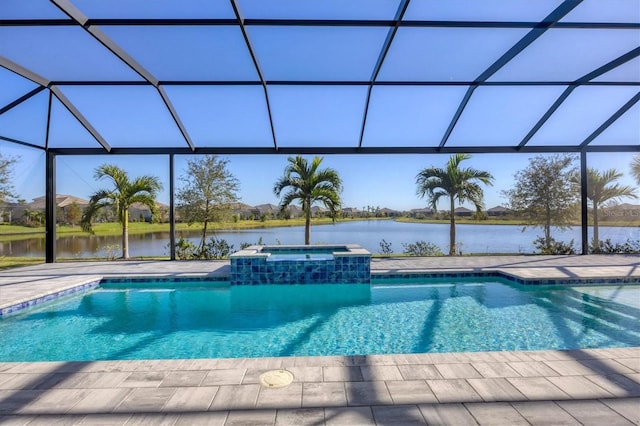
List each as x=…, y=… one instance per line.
x=478, y=239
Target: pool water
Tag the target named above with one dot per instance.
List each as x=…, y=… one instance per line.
x=200, y=320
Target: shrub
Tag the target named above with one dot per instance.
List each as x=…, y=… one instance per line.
x=216, y=249
x=608, y=247
x=422, y=248
x=185, y=249
x=554, y=247
x=385, y=247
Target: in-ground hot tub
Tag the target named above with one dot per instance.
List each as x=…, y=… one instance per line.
x=312, y=264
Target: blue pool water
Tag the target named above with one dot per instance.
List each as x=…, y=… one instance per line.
x=209, y=320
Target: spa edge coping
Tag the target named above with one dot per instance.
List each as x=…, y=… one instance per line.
x=254, y=251
x=90, y=282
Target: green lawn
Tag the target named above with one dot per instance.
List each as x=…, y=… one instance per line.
x=13, y=232
x=16, y=262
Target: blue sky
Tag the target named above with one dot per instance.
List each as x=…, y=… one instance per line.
x=306, y=115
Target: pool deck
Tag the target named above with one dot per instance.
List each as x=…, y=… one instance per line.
x=594, y=386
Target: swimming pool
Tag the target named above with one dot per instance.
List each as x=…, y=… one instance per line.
x=153, y=320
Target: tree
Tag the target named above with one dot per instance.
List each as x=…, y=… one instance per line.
x=545, y=193
x=308, y=184
x=73, y=214
x=6, y=172
x=209, y=189
x=456, y=184
x=124, y=193
x=635, y=168
x=33, y=217
x=600, y=189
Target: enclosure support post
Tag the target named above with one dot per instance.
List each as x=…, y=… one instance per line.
x=172, y=216
x=583, y=203
x=50, y=208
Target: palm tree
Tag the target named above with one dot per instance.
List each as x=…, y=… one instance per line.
x=635, y=168
x=600, y=189
x=455, y=183
x=125, y=193
x=307, y=184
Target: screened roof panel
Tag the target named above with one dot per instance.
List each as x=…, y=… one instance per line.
x=66, y=131
x=605, y=11
x=12, y=86
x=216, y=53
x=62, y=53
x=582, y=113
x=126, y=116
x=567, y=54
x=473, y=10
x=223, y=115
x=155, y=9
x=318, y=9
x=624, y=131
x=30, y=9
x=410, y=115
x=510, y=112
x=307, y=116
x=27, y=122
x=445, y=54
x=327, y=76
x=317, y=53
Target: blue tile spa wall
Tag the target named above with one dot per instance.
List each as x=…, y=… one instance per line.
x=339, y=270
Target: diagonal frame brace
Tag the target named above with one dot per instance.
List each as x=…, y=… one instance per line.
x=402, y=8
x=626, y=107
x=67, y=7
x=254, y=58
x=557, y=14
x=582, y=80
x=81, y=118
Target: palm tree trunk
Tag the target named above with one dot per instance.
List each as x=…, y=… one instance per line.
x=452, y=230
x=307, y=226
x=125, y=234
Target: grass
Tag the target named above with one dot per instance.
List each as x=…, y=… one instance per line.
x=16, y=262
x=14, y=232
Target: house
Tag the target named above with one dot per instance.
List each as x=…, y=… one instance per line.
x=10, y=212
x=386, y=212
x=140, y=212
x=242, y=210
x=463, y=212
x=317, y=211
x=421, y=213
x=63, y=202
x=498, y=211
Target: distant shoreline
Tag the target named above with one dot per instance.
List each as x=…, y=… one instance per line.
x=14, y=233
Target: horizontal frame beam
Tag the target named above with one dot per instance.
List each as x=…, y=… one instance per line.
x=349, y=150
x=318, y=23
x=339, y=83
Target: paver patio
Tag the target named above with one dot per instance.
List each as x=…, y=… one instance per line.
x=592, y=386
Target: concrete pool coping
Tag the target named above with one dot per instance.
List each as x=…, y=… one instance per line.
x=594, y=386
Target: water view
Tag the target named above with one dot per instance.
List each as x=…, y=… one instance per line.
x=479, y=239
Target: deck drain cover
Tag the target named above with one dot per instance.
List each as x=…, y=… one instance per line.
x=276, y=378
